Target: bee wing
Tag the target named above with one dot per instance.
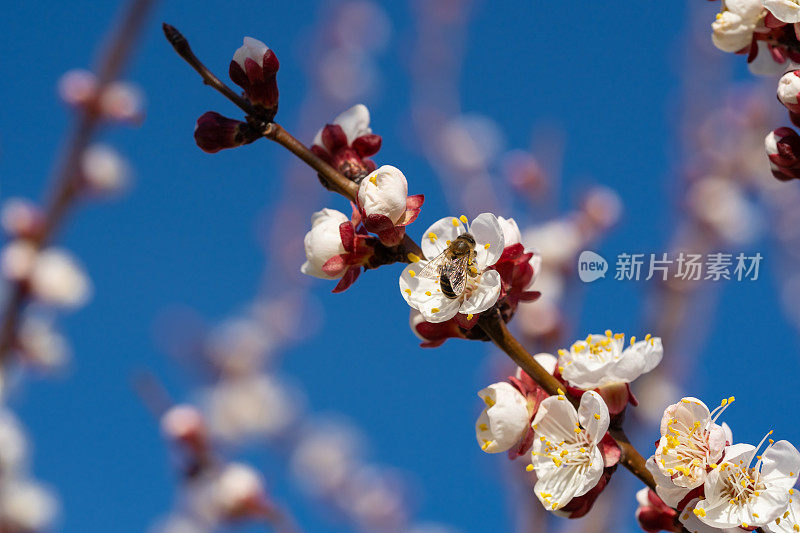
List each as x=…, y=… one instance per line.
x=456, y=272
x=434, y=267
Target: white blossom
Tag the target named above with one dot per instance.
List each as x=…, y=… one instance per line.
x=483, y=286
x=354, y=122
x=566, y=456
x=740, y=493
x=122, y=101
x=238, y=489
x=384, y=192
x=104, y=170
x=323, y=242
x=691, y=440
x=249, y=406
x=504, y=420
x=18, y=259
x=783, y=10
x=602, y=360
x=250, y=49
x=42, y=345
x=733, y=28
x=56, y=279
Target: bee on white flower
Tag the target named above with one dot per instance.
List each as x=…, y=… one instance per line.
x=450, y=289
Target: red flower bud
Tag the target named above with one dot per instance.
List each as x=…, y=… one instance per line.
x=215, y=132
x=254, y=68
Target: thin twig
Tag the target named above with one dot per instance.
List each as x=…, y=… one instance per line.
x=490, y=321
x=67, y=176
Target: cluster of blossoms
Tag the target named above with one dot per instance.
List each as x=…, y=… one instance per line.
x=702, y=476
x=767, y=31
x=250, y=405
x=339, y=247
x=570, y=449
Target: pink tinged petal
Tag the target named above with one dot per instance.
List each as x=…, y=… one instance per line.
x=616, y=397
x=333, y=138
x=348, y=235
x=780, y=464
x=415, y=201
x=348, y=279
x=610, y=450
x=489, y=238
x=334, y=266
x=434, y=240
x=367, y=145
x=484, y=295
x=593, y=416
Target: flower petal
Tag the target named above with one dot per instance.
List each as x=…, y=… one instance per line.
x=484, y=295
x=434, y=240
x=354, y=122
x=489, y=239
x=781, y=464
x=593, y=416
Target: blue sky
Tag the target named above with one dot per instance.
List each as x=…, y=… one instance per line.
x=608, y=77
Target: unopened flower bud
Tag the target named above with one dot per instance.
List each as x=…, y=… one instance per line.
x=348, y=142
x=56, y=279
x=104, y=171
x=184, y=423
x=123, y=102
x=384, y=192
x=21, y=218
x=77, y=87
x=18, y=259
x=240, y=491
x=783, y=150
x=789, y=90
x=215, y=132
x=41, y=345
x=504, y=421
x=253, y=68
x=323, y=242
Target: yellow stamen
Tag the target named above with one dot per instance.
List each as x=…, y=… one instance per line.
x=463, y=219
x=414, y=258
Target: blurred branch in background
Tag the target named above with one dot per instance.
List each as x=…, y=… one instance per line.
x=243, y=401
x=40, y=279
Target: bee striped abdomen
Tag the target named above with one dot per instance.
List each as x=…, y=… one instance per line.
x=447, y=288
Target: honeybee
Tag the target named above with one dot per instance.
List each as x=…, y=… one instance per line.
x=451, y=267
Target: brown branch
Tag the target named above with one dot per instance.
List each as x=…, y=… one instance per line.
x=492, y=324
x=181, y=46
x=490, y=321
x=67, y=176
